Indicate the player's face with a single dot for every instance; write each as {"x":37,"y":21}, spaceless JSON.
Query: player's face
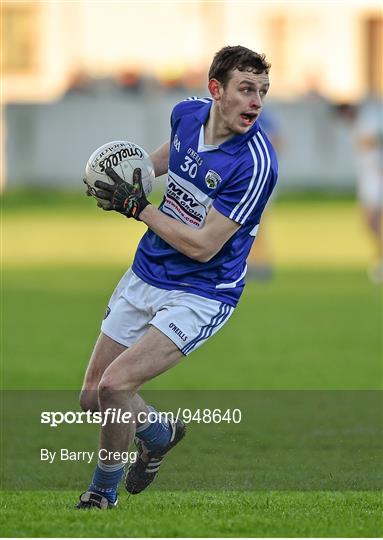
{"x":241,"y":100}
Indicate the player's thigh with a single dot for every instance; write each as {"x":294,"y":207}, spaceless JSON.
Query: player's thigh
{"x":105,"y":351}
{"x":153,"y":354}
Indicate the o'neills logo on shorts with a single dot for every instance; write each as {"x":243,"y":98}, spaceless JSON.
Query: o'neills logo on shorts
{"x":179,"y":332}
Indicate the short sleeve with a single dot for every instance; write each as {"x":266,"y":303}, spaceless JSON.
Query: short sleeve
{"x":177,"y":112}
{"x":243,"y":197}
{"x":189,"y":105}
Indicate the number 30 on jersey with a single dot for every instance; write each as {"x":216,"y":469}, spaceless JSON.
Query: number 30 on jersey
{"x":190,"y":167}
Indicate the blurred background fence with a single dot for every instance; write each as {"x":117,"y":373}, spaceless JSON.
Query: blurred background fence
{"x":48,"y":144}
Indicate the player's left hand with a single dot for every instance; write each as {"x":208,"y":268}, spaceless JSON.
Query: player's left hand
{"x":127,"y":199}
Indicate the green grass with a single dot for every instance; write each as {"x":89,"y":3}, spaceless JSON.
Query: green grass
{"x":194,"y":514}
{"x":303,"y":330}
{"x":308,"y":329}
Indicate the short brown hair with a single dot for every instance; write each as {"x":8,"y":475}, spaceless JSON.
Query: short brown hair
{"x":229,"y":58}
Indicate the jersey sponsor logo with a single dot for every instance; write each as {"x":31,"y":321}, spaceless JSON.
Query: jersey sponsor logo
{"x":212,"y":179}
{"x":183,"y":196}
{"x":176,"y":143}
{"x":178,"y":331}
{"x":184,"y":203}
{"x":185,"y":200}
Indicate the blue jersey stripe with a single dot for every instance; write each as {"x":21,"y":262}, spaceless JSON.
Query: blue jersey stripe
{"x":262,"y":148}
{"x":250,"y":186}
{"x":207,"y":330}
{"x":263,"y":171}
{"x":268,"y":163}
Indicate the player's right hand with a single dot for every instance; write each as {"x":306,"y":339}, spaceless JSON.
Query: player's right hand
{"x":127,"y":199}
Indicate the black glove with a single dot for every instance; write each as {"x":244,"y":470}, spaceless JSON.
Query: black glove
{"x":122,"y":197}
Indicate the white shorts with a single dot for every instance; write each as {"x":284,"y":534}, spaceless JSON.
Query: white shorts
{"x":187,"y":319}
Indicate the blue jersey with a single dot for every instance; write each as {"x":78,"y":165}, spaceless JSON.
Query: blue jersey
{"x":236,"y":178}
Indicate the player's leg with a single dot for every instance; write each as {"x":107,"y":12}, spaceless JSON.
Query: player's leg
{"x":373,"y":219}
{"x":104,"y":353}
{"x":153,"y":354}
{"x":188,"y":321}
{"x":370,"y":194}
{"x":126,"y":320}
{"x":182,"y":322}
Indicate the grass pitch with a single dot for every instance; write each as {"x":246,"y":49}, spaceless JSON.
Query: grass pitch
{"x":316,"y":325}
{"x":305,"y":329}
{"x":195,"y":514}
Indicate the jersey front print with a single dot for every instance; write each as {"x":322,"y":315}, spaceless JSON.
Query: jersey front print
{"x":236,"y":178}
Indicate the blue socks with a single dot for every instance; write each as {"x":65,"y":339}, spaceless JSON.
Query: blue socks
{"x":106,"y":479}
{"x":155,"y":433}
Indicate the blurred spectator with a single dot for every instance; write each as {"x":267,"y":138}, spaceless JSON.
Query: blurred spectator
{"x":369,"y":150}
{"x":130,"y":81}
{"x":173,"y":83}
{"x":79,"y":83}
{"x":195,"y":80}
{"x":346,"y":111}
{"x":313,"y":92}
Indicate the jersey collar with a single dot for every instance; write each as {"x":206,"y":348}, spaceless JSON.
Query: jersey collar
{"x":232,"y":145}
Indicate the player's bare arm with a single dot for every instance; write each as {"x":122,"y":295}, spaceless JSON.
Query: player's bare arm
{"x":199,"y":244}
{"x":160,"y":159}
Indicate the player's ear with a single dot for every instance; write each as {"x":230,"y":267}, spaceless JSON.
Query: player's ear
{"x":215,"y":87}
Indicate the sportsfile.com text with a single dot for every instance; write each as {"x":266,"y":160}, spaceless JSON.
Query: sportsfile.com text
{"x":113,"y":415}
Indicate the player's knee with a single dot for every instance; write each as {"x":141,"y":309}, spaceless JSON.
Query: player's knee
{"x":111,"y":388}
{"x":89,"y":400}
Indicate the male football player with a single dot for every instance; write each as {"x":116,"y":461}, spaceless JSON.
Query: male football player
{"x":189,"y":269}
